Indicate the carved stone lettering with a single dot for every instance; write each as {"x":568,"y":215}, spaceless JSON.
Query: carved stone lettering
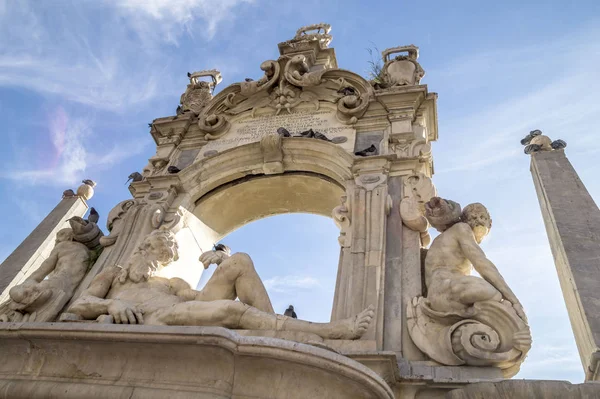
{"x":252,"y":129}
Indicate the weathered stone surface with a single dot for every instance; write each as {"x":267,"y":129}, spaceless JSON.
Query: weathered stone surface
{"x":44,"y":293}
{"x":99,"y":361}
{"x":467,"y":320}
{"x":249,"y":129}
{"x":37,"y":246}
{"x":572,"y":222}
{"x":527,"y":389}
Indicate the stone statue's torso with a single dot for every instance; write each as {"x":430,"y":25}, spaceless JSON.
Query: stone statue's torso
{"x":445,"y":255}
{"x":150,"y":295}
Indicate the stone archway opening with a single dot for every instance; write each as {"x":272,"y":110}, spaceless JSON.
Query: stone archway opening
{"x":296,"y":256}
{"x":254,"y":197}
{"x":284,"y":223}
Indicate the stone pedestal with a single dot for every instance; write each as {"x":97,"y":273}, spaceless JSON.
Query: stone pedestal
{"x":572,"y":222}
{"x":37,"y":246}
{"x":98,"y":361}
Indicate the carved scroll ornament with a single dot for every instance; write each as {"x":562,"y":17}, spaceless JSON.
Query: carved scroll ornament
{"x":287,"y":83}
{"x":418,"y":189}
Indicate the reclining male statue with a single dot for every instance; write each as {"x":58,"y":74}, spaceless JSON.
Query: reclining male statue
{"x":134,"y":294}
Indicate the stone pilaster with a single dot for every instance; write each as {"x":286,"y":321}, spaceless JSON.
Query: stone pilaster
{"x":37,"y":246}
{"x":572,"y":222}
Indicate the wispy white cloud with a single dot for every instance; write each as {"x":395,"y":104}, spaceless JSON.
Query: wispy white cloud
{"x":287,"y":283}
{"x":72,"y":154}
{"x":65,"y":52}
{"x":68,"y":154}
{"x":168,"y":19}
{"x":560,"y":83}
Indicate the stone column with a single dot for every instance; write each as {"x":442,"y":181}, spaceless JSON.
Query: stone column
{"x":37,"y":246}
{"x":361,"y":273}
{"x":572,"y":222}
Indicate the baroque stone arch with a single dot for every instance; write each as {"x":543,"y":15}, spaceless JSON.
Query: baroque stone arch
{"x":312,"y":177}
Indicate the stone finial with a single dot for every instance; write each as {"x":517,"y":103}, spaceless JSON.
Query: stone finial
{"x":535,"y":141}
{"x":318,"y":32}
{"x":403,"y":69}
{"x":86,"y":190}
{"x":305,"y":36}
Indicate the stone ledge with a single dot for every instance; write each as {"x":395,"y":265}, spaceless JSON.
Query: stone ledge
{"x":205,"y":362}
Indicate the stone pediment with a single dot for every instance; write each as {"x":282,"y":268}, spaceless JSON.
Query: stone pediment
{"x":288,"y":85}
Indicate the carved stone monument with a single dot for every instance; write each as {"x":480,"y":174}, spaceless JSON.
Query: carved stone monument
{"x":306,"y":136}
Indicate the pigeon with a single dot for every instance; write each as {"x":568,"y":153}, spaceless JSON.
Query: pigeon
{"x":372,"y":150}
{"x":223,"y":248}
{"x":531,"y":148}
{"x":290,"y":312}
{"x":89,"y":182}
{"x":93,"y":216}
{"x":189,"y":75}
{"x":283,"y":132}
{"x":320,"y":136}
{"x":135,"y":177}
{"x":558,"y":144}
{"x":347,"y":91}
{"x":150,"y":124}
{"x":179,"y":110}
{"x":309,"y":134}
{"x":249,"y":80}
{"x":68,"y":193}
{"x":530,"y":136}
{"x":173,"y":169}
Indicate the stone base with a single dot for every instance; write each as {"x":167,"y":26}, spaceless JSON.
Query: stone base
{"x":343,"y":346}
{"x":75,"y":360}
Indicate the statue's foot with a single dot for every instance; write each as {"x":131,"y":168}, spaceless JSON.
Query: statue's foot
{"x":352,"y":327}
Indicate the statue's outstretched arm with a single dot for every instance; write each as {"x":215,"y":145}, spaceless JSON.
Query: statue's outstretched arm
{"x":482,"y":264}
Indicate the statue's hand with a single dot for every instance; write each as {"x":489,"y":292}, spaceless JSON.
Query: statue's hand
{"x":210,"y":257}
{"x":125,"y":313}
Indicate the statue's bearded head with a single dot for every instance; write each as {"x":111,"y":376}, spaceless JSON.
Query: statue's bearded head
{"x":157,"y":250}
{"x":477,"y":216}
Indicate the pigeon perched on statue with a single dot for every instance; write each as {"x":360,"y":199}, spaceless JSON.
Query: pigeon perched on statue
{"x":173,"y":169}
{"x":290,"y":312}
{"x":536,"y":141}
{"x":68,"y":193}
{"x":93,"y":216}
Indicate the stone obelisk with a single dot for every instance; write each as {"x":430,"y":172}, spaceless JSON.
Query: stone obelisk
{"x":572,"y":221}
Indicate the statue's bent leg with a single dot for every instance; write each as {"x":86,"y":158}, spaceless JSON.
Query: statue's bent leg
{"x":234,"y":278}
{"x":471,"y":289}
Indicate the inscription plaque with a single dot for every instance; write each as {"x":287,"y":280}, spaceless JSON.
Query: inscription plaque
{"x":252,"y":129}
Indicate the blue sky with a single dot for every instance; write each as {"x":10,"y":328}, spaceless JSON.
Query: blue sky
{"x":80,"y":80}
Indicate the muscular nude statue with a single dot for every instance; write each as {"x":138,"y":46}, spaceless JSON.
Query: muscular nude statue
{"x":58,"y":275}
{"x":134,"y":294}
{"x":452,"y":256}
